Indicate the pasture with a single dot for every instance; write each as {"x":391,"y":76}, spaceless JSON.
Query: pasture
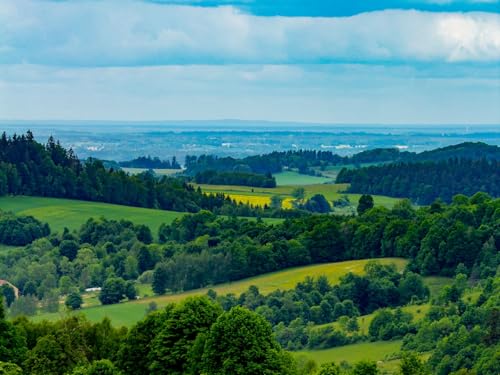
{"x":372,"y":351}
{"x":60,"y":213}
{"x":127,"y":313}
{"x":262,"y":196}
{"x":294,"y":178}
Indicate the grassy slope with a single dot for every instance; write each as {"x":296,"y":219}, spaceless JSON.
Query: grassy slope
{"x":60,"y":213}
{"x":373,"y":351}
{"x":128,"y":313}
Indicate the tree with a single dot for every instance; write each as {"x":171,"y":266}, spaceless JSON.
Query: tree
{"x":8,"y":294}
{"x":172,"y":347}
{"x":101,"y":367}
{"x":329,"y":369}
{"x":299,"y":193}
{"x":74,"y":301}
{"x":365,"y":203}
{"x":113,"y":291}
{"x":134,"y":354}
{"x":365,"y":368}
{"x":411,"y":364}
{"x":9,"y":368}
{"x":160,"y":279}
{"x":12,"y":342}
{"x":242,"y":342}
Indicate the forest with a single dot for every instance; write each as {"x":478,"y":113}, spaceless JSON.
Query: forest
{"x":148,"y":162}
{"x":424,"y":182}
{"x":305,"y":160}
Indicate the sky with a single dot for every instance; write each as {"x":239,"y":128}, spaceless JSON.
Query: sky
{"x":316,"y":61}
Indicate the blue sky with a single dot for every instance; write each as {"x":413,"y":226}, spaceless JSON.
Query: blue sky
{"x":358,"y":61}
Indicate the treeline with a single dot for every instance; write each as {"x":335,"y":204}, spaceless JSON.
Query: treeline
{"x":426,"y":181}
{"x":235,"y":178}
{"x":151,"y":163}
{"x":20,"y":230}
{"x":30,"y":168}
{"x":305,"y":161}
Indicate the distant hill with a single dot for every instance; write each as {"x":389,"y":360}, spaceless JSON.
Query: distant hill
{"x":308,"y":161}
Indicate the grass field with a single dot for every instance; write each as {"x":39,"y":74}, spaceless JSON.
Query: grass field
{"x":372,"y":351}
{"x":128,"y":313}
{"x":262,"y":196}
{"x":60,"y":213}
{"x":293,"y":178}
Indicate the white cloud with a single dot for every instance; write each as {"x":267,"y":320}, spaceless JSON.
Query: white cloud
{"x":128,"y":33}
{"x":317,"y":93}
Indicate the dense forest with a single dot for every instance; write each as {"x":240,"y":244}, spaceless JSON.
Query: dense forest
{"x":30,"y":168}
{"x":305,"y":160}
{"x":423,"y":182}
{"x":235,"y":178}
{"x":148,"y":162}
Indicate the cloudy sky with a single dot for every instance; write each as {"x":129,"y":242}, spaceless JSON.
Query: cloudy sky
{"x":322,"y":61}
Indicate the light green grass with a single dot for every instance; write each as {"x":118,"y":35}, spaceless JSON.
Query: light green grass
{"x":294,"y":178}
{"x":60,"y":213}
{"x":159,"y":172}
{"x":371,"y":351}
{"x":128,"y":313}
{"x":436,"y":283}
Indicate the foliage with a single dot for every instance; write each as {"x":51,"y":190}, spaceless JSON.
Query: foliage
{"x":241,"y":342}
{"x":424,"y":182}
{"x":20,"y":230}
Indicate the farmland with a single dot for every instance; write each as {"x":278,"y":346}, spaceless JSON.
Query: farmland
{"x":262,"y":196}
{"x":128,"y":313}
{"x":293,"y":178}
{"x":61,"y":213}
{"x":374,"y":351}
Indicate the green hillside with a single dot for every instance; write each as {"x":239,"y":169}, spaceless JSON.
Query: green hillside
{"x":127,"y":313}
{"x":60,"y":213}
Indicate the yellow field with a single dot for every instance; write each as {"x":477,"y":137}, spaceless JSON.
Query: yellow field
{"x":262,"y":196}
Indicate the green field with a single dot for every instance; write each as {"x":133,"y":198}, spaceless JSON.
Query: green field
{"x":294,"y":178}
{"x":372,"y":351}
{"x":262,"y":196}
{"x":128,"y":313}
{"x":60,"y":213}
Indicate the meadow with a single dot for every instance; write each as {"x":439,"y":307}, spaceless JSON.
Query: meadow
{"x":294,"y":178}
{"x":262,"y":196}
{"x":61,"y":213}
{"x":380,"y":351}
{"x":127,"y":313}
